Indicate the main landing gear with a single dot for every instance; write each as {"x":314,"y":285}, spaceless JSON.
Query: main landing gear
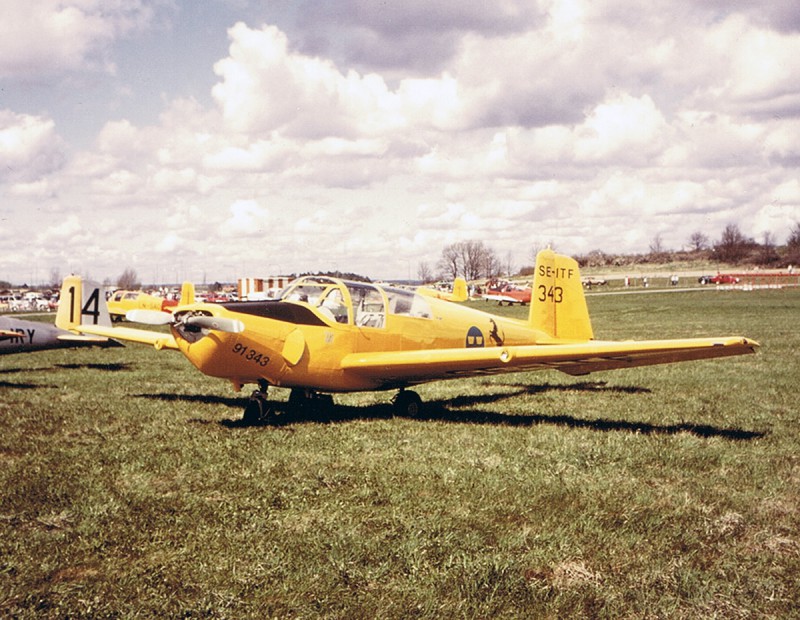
{"x":302,"y":401}
{"x":259,"y":410}
{"x":407,"y":404}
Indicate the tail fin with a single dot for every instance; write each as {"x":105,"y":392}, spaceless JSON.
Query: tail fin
{"x":81,"y":303}
{"x":460,"y":290}
{"x":558,"y":306}
{"x":187,"y":294}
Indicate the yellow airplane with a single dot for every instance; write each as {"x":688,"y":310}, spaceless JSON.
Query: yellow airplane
{"x":122,"y":302}
{"x":326,"y":335}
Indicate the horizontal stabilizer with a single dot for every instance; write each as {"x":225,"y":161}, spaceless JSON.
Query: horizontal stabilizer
{"x":90,"y":340}
{"x":143,"y":336}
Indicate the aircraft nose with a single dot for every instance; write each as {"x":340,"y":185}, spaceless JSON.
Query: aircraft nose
{"x":194,"y":325}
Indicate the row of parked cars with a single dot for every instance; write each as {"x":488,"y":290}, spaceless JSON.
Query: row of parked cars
{"x":27,"y":302}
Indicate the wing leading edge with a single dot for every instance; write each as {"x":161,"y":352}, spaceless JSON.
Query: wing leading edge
{"x":574,"y":359}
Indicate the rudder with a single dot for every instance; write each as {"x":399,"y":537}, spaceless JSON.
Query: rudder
{"x":558,"y":305}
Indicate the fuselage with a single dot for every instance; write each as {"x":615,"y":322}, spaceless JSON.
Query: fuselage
{"x":19,"y":336}
{"x":300,"y":340}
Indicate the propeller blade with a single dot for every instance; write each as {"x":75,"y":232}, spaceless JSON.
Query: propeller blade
{"x":231,"y":326}
{"x":149,"y":317}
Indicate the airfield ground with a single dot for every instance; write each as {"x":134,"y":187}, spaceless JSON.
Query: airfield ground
{"x":129,"y":488}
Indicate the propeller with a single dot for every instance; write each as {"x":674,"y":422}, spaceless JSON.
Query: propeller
{"x":194,"y":322}
{"x":220,"y":324}
{"x":149,"y":317}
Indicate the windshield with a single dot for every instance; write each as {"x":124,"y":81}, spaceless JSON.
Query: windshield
{"x":320,"y":292}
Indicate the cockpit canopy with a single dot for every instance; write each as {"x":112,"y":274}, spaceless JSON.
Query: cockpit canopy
{"x":355,"y":303}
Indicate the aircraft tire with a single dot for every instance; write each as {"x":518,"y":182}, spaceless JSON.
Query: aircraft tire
{"x":407,"y":404}
{"x":257,"y":410}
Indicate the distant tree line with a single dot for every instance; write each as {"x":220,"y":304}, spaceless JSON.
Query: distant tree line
{"x":732,"y":248}
{"x":342,"y":275}
{"x":474,"y":260}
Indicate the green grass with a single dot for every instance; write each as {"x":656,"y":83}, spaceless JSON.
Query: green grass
{"x":129,"y":489}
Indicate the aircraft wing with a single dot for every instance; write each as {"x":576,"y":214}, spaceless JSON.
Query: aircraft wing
{"x":159,"y":340}
{"x":66,"y":336}
{"x":407,"y":367}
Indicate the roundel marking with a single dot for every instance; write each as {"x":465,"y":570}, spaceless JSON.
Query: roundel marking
{"x":474,"y":338}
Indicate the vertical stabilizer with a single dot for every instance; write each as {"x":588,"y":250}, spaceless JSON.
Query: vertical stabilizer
{"x":460,"y":290}
{"x":187,"y":294}
{"x":81,"y":303}
{"x":558,"y":306}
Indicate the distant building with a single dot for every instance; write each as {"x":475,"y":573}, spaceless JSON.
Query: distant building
{"x":253,"y":289}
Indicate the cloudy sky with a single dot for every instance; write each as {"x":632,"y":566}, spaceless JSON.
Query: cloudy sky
{"x":208,"y":140}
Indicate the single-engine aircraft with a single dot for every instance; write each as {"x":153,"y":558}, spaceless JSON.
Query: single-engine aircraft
{"x":325,"y":335}
{"x":19,"y":336}
{"x":505,"y":292}
{"x":121,"y":302}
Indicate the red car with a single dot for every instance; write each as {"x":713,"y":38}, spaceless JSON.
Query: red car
{"x":720,"y":278}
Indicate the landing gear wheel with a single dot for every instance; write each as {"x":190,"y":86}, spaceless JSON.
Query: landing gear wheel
{"x":257,"y":409}
{"x":407,"y":404}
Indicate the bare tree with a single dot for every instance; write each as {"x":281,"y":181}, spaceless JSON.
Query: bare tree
{"x":492,"y":266}
{"x":794,"y":236}
{"x":733,"y":246}
{"x":425,"y":273}
{"x":793,"y":245}
{"x":55,"y":278}
{"x":470,"y":259}
{"x":450,"y":262}
{"x":657,"y":245}
{"x":129,"y":280}
{"x":538,"y":247}
{"x":768,"y":254}
{"x":698,"y":241}
{"x":508,"y":266}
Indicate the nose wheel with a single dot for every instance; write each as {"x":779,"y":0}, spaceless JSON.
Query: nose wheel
{"x":407,"y":404}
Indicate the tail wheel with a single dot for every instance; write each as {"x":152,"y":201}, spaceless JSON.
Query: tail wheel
{"x":407,"y":404}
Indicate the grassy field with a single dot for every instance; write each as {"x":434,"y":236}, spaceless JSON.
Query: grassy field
{"x":129,"y":488}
